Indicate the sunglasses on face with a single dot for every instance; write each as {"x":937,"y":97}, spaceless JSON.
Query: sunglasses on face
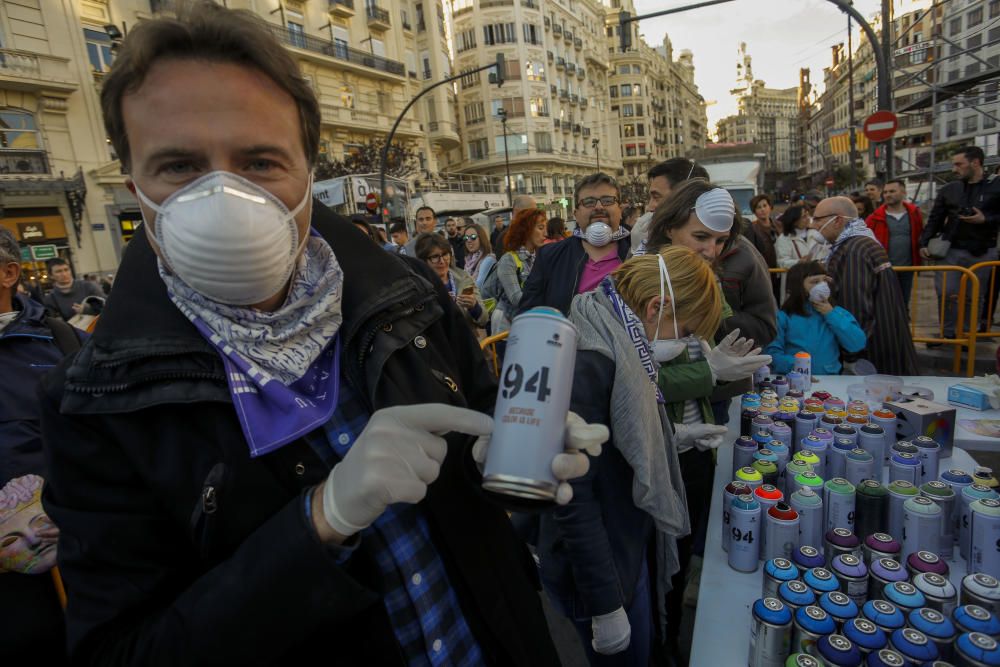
{"x":591,"y":202}
{"x":471,"y":237}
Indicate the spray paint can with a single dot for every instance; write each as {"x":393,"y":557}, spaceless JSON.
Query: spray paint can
{"x":767,"y":469}
{"x":761,"y":422}
{"x":831,"y":420}
{"x":883,"y":572}
{"x":749,"y":476}
{"x":745,"y":533}
{"x":887,"y":657}
{"x":808,"y":556}
{"x":764,"y":453}
{"x":886,"y":418}
{"x":983,"y":475}
{"x":904,"y":596}
{"x":899,"y":493}
{"x":519,"y":461}
{"x":921,"y":525}
{"x":970,"y":494}
{"x":821,"y":580}
{"x":837,"y":650}
{"x":770,"y":633}
{"x":836,"y":457}
{"x":809,"y":480}
{"x":925,"y":561}
{"x":782,"y":432}
{"x":805,"y":422}
{"x":795,"y":594}
{"x":884,"y":614}
{"x":937,"y":626}
{"x":761,"y":374}
{"x":929,"y":455}
{"x":913,"y":645}
{"x":780,"y":384}
{"x":747,"y":415}
{"x":813,"y":404}
{"x":812,"y":521}
{"x":814,"y":445}
{"x":977,"y":650}
{"x":779,"y":449}
{"x":848,"y":431}
{"x":852,"y":575}
{"x":793,"y":470}
{"x":750,"y":399}
{"x":822,"y":396}
{"x":871,"y":438}
{"x":973,"y":618}
{"x":943,"y":497}
{"x":840,"y":541}
{"x":870,"y":500}
{"x":743,"y":451}
{"x":761,"y":438}
{"x":880,"y":545}
{"x":840,"y":607}
{"x":904,"y":466}
{"x":768,"y":496}
{"x":984,"y":531}
{"x":860,"y":466}
{"x":823,"y":433}
{"x":781,"y":532}
{"x":802,"y":660}
{"x":981,"y":589}
{"x":864,"y":634}
{"x":810,"y":458}
{"x":803,"y":364}
{"x":796,"y":382}
{"x":776,"y":572}
{"x":939,"y":592}
{"x":811,"y":623}
{"x":957,"y":480}
{"x":733,"y":489}
{"x":838,"y":499}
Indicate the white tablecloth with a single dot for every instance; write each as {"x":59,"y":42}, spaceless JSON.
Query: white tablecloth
{"x":722,"y":624}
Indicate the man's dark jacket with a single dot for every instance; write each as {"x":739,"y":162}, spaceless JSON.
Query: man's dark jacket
{"x":556,"y":274}
{"x":952,"y":198}
{"x":178,"y":548}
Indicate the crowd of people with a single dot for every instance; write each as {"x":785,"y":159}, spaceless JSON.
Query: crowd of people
{"x":271,"y":445}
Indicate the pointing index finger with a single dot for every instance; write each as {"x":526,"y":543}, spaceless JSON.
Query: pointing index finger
{"x":439,"y":418}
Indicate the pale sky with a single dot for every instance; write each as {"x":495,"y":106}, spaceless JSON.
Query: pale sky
{"x":781,"y":36}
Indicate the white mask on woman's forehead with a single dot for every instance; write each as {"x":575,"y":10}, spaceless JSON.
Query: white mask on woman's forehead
{"x":665,"y":350}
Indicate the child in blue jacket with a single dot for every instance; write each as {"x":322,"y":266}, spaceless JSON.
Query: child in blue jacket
{"x":809,"y":322}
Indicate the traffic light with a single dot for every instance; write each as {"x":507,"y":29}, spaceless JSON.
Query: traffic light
{"x":625,"y":30}
{"x":501,"y":66}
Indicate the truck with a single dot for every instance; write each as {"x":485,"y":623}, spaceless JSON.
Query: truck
{"x":737,"y":167}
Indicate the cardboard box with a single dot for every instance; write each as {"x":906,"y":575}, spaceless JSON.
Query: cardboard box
{"x":922,"y":417}
{"x":968,"y":397}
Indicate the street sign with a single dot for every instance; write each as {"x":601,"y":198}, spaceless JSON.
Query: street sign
{"x":40,"y":252}
{"x":25,"y":253}
{"x":371,"y":202}
{"x":913,"y":47}
{"x":829,"y":182}
{"x":881,"y":126}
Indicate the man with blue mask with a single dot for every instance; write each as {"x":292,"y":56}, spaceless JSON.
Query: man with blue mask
{"x":266,"y":450}
{"x":598,"y":246}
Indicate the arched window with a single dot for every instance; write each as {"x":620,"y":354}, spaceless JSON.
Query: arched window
{"x":18,"y":130}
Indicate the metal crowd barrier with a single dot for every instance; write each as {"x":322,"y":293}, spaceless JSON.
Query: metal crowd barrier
{"x":489,"y":346}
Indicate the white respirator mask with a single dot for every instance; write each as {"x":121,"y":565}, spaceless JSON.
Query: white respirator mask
{"x":228,"y":238}
{"x":820,"y":292}
{"x":665,"y":350}
{"x":598,"y":234}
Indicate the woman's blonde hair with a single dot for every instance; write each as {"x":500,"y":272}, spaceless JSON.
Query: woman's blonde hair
{"x":697,"y":295}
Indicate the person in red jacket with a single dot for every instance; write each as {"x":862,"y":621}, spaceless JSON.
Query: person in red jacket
{"x":897,"y":225}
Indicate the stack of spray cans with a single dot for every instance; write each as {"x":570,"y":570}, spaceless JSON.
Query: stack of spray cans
{"x":856,"y":531}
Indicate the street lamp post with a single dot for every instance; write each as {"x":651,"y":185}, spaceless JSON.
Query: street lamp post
{"x":595,"y":143}
{"x":502,"y":112}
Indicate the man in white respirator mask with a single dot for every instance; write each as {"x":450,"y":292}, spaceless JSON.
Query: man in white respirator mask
{"x":260,"y":454}
{"x":598,"y":246}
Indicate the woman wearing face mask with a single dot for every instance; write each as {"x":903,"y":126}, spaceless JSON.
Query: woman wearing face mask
{"x":609,"y":555}
{"x":797,"y":242}
{"x":436,"y":251}
{"x":524,"y":236}
{"x":478,"y":253}
{"x":809,"y":322}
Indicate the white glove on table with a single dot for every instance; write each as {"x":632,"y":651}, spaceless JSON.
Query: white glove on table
{"x":393,"y":460}
{"x":612,"y":632}
{"x":702,"y":436}
{"x":734,"y":358}
{"x":572,"y":463}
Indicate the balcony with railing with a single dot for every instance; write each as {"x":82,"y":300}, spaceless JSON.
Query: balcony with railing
{"x":570,"y":68}
{"x":27,"y":71}
{"x":555,"y":123}
{"x":564,"y":95}
{"x":444,"y":133}
{"x":23,"y":161}
{"x":342,"y":8}
{"x":548,"y":23}
{"x":574,"y":99}
{"x":405,"y":22}
{"x":581,"y":73}
{"x":550,"y":56}
{"x":337,"y":51}
{"x":560,"y":63}
{"x":577,"y":43}
{"x":556,"y":29}
{"x":553,"y":89}
{"x":378,"y":18}
{"x":583,"y":102}
{"x":568,"y":36}
{"x":586,"y":131}
{"x":577,"y":128}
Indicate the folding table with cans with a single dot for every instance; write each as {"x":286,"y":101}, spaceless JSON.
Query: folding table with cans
{"x":725,"y":613}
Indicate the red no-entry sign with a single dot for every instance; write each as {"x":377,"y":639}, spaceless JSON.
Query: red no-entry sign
{"x":880,"y":126}
{"x":371,"y":201}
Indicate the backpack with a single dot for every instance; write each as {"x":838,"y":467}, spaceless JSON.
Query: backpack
{"x":491,"y":291}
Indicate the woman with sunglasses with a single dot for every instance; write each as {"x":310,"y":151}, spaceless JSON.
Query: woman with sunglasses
{"x":478,"y":253}
{"x":436,"y":251}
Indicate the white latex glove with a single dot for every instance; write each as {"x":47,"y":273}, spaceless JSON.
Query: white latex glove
{"x":612,"y":632}
{"x":572,"y":463}
{"x":702,"y":436}
{"x":734,"y":358}
{"x":393,"y":460}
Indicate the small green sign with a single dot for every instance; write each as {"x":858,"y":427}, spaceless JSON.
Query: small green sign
{"x":563,"y":202}
{"x":25,"y":254}
{"x":40,"y":252}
